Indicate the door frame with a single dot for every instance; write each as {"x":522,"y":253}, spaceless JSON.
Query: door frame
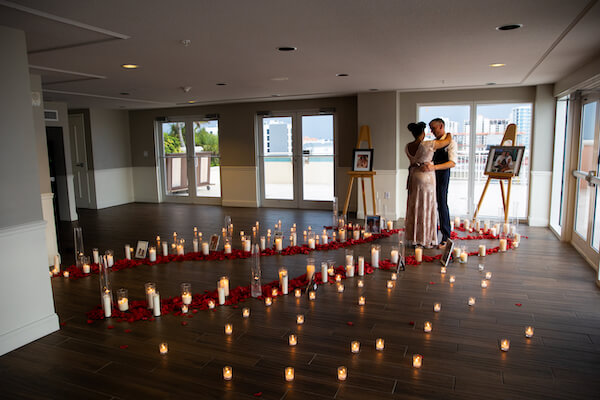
{"x":82,"y":175}
{"x":297,"y":159}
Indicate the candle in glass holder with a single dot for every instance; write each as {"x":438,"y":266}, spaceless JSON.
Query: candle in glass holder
{"x":452,"y":279}
{"x":529,"y":331}
{"x":342,"y":373}
{"x":299,"y":319}
{"x":228,"y":329}
{"x":482,"y":250}
{"x":227,"y":248}
{"x":340,"y":288}
{"x":504,"y":344}
{"x":471,"y":301}
{"x":390,"y":225}
{"x":96,"y":255}
{"x":220,"y":293}
{"x":283,"y":280}
{"x":427,"y":327}
{"x":150,"y":288}
{"x":312,"y":295}
{"x":361,"y":301}
{"x":211,"y":304}
{"x":464,"y":256}
{"x":224,"y":283}
{"x":417,"y":360}
{"x":311,"y":243}
{"x":338,"y":278}
{"x":457,"y":222}
{"x":361,"y":266}
{"x":289,"y":374}
{"x":184,"y":309}
{"x":356,"y":234}
{"x":342,"y":235}
{"x":502,"y":245}
{"x":122,"y":300}
{"x":379,"y":344}
{"x":437,"y":307}
{"x":484,"y":284}
{"x":310,"y":268}
{"x":394,"y":276}
{"x":349,"y":271}
{"x":248,"y":244}
{"x":163,"y":348}
{"x":390,"y":284}
{"x":110,"y":259}
{"x":298,"y":292}
{"x":86,"y":265}
{"x":456,"y":252}
{"x":355,"y":346}
{"x":278,"y":244}
{"x":375,"y":250}
{"x":488,"y":275}
{"x":419,"y":254}
{"x":268,"y":301}
{"x":186,"y":293}
{"x":360,"y":283}
{"x":394,"y":255}
{"x":324,"y":237}
{"x":152,"y":254}
{"x":493,"y":231}
{"x":293,"y":340}
{"x":227,"y":373}
{"x":245,"y":312}
{"x":442,"y":270}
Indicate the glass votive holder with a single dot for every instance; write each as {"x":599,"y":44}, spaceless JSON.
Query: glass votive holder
{"x":163,"y":348}
{"x":481,"y":267}
{"x":394,"y":276}
{"x":361,"y":300}
{"x":186,"y":293}
{"x":349,"y":253}
{"x":298,"y":292}
{"x":268,"y":301}
{"x":289,"y":374}
{"x":86,"y":266}
{"x":417,"y":360}
{"x":342,"y":373}
{"x":227,"y":373}
{"x":228,"y":329}
{"x":484,"y":284}
{"x":292,"y":340}
{"x":122,"y":299}
{"x":360,"y":283}
{"x":299,"y":319}
{"x":452,"y":279}
{"x":427,"y":327}
{"x":379,"y":344}
{"x":245,"y":312}
{"x":504,"y":344}
{"x":312,"y":295}
{"x":488,"y":275}
{"x":529,"y":331}
{"x":355,"y":346}
{"x":340,"y":288}
{"x":110,"y":257}
{"x":390,"y":284}
{"x":471,"y":301}
{"x":150,"y":289}
{"x":437,"y":307}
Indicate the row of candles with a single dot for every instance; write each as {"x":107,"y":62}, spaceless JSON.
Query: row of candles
{"x":504,"y":229}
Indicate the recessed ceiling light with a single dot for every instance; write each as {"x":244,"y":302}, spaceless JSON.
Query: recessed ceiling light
{"x":341,"y":74}
{"x":282,"y":78}
{"x":221,"y":84}
{"x":191,"y":101}
{"x":509,"y":27}
{"x":287,"y":48}
{"x":490,"y":83}
{"x":495,"y":65}
{"x":130,"y":66}
{"x":124,"y":94}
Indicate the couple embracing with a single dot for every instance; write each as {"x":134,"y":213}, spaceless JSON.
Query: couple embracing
{"x":428,"y":180}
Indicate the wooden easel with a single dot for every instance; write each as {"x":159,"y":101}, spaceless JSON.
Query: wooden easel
{"x":363,"y":136}
{"x":509,"y":134}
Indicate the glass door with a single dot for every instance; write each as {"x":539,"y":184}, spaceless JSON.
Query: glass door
{"x":586,"y":226}
{"x":190,"y":167}
{"x":297,"y":160}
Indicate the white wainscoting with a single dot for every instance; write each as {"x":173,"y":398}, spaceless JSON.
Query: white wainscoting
{"x":26,"y":303}
{"x":385,"y":181}
{"x":402,"y":197}
{"x":113,"y":187}
{"x":48,"y":215}
{"x":238,"y":186}
{"x":145,"y":187}
{"x":540,"y":188}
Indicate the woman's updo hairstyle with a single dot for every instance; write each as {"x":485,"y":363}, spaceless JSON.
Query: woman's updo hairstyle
{"x":417,"y":129}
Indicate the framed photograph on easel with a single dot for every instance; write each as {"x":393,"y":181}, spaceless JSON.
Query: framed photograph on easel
{"x":504,"y":161}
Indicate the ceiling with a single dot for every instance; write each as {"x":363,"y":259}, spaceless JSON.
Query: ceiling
{"x":78,"y":47}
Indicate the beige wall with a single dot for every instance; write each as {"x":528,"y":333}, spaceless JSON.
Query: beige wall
{"x":41,"y":145}
{"x":110,"y":138}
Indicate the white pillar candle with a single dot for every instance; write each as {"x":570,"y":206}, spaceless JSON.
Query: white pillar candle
{"x":361,"y":266}
{"x":152,"y":254}
{"x":355,"y":234}
{"x":482,"y":250}
{"x":96,"y":255}
{"x":278,"y":244}
{"x":324,"y":238}
{"x":311,"y":243}
{"x":486,"y":226}
{"x":349,"y":271}
{"x":127,"y":252}
{"x":248,"y":245}
{"x":503,"y":244}
{"x":106,"y":304}
{"x":493,"y":231}
{"x":180,"y":251}
{"x":349,"y":259}
{"x":123,"y":304}
{"x":227,"y":248}
{"x":195,"y":245}
{"x":165,"y":249}
{"x":156,"y":304}
{"x":324,"y":273}
{"x":464,"y":256}
{"x":110,"y":260}
{"x":390,"y":225}
{"x":294,"y":237}
{"x":205,"y":249}
{"x":506,"y":229}
{"x":310,"y":270}
{"x":477,"y":224}
{"x":263,"y":243}
{"x":418,"y":254}
{"x":283,"y":280}
{"x":150,"y":290}
{"x":467,"y":223}
{"x":374,"y":257}
{"x":394,"y":256}
{"x":221,"y":294}
{"x":86,"y":268}
{"x":342,"y":235}
{"x":224,"y":283}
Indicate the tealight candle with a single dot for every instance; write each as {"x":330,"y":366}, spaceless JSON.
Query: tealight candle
{"x":529,"y":331}
{"x":360,"y":283}
{"x":484,"y":284}
{"x":274,"y":292}
{"x":488,"y":275}
{"x":442,"y":270}
{"x":503,"y":244}
{"x":299,"y":319}
{"x":211,"y":304}
{"x":245,"y":312}
{"x":417,"y":360}
{"x":379,"y":344}
{"x":342,"y":373}
{"x":481,"y":267}
{"x":340,"y":288}
{"x":228,"y":329}
{"x":338,"y":278}
{"x":227,"y":373}
{"x":504,"y":344}
{"x":482,"y":250}
{"x":418,"y":254}
{"x":437,"y":307}
{"x":390,"y":284}
{"x":361,"y":266}
{"x":66,"y":274}
{"x":394,"y":276}
{"x":122,"y":300}
{"x":427,"y":327}
{"x":184,"y":309}
{"x":268,"y":301}
{"x":452,"y":279}
{"x":471,"y":301}
{"x":293,"y":340}
{"x":298,"y":292}
{"x":163,"y":348}
{"x":355,"y":346}
{"x":312,"y":295}
{"x":289,"y":374}
{"x":361,"y":301}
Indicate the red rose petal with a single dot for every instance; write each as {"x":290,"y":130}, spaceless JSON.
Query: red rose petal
{"x":518,"y":304}
{"x":110,"y":327}
{"x":123,"y":346}
{"x":194,"y":311}
{"x":432,"y":283}
{"x":258,"y":394}
{"x":63,"y":323}
{"x":127,"y":330}
{"x":411,"y":323}
{"x":89,"y":321}
{"x":350,"y":323}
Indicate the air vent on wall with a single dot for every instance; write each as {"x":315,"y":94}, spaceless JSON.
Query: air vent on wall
{"x":50,"y":115}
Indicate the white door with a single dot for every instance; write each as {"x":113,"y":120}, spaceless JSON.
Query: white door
{"x":81,"y":178}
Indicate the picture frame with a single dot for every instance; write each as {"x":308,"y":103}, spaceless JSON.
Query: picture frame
{"x":362,"y":160}
{"x":504,"y":161}
{"x":373,"y":223}
{"x":447,"y":254}
{"x":214,"y":243}
{"x":141,"y":249}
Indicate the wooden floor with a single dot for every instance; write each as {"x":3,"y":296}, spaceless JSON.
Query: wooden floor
{"x":462,"y":359}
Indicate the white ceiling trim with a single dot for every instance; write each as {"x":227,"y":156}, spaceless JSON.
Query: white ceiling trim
{"x":103,"y":97}
{"x":64,"y":71}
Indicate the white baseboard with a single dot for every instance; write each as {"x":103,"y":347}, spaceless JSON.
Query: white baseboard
{"x":114,"y":187}
{"x":239,"y":186}
{"x":48,"y":215}
{"x":24,"y":269}
{"x":540,"y":187}
{"x":26,"y":334}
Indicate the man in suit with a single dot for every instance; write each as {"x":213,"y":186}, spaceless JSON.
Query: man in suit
{"x":443,"y":159}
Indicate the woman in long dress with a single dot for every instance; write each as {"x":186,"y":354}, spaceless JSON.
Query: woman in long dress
{"x":421,"y":208}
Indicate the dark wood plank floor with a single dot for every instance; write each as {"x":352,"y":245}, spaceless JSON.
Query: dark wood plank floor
{"x":461,"y":355}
